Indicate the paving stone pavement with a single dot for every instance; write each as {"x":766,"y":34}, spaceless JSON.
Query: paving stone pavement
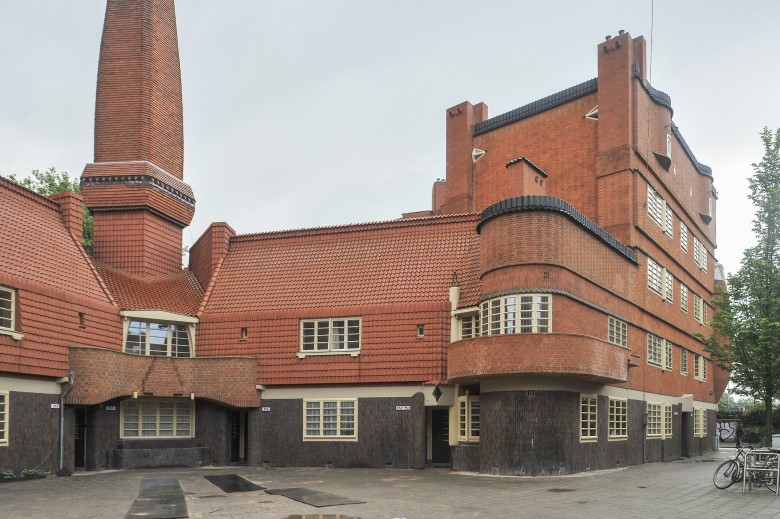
{"x":679,"y":489}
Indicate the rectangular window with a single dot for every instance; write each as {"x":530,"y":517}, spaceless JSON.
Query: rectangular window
{"x":158,"y":339}
{"x":660,"y":280}
{"x":330,"y":419}
{"x":654,"y":350}
{"x":669,"y":145}
{"x":656,"y":206}
{"x":683,"y":361}
{"x":588,"y":420}
{"x":700,"y":423}
{"x":669,"y":227}
{"x":653,"y":420}
{"x":330,"y":335}
{"x":7,"y":306}
{"x":668,"y":351}
{"x":618,"y":332}
{"x":527,"y":313}
{"x":699,"y":254}
{"x":699,"y":309}
{"x":699,"y":367}
{"x":469,"y":326}
{"x":618,"y":418}
{"x":683,"y":298}
{"x":148,"y":419}
{"x":667,"y":420}
{"x":468,"y":418}
{"x":683,"y":237}
{"x":3,"y":418}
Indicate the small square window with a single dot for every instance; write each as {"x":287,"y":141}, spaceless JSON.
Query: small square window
{"x":420,"y":330}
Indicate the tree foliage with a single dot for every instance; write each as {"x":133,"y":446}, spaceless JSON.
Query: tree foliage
{"x":747,"y":320}
{"x":51,"y":182}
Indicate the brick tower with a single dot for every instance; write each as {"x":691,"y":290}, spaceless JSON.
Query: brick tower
{"x":135,"y":186}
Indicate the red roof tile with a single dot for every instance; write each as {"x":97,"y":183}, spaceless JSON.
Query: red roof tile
{"x":401,"y":261}
{"x":179,"y":293}
{"x":36,"y":247}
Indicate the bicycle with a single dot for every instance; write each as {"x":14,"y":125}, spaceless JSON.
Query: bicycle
{"x":732,"y":470}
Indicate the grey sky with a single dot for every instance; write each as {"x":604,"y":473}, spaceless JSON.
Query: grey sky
{"x":314,"y":113}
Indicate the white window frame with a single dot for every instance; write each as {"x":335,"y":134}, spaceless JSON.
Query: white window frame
{"x":468,"y":418}
{"x":683,"y":361}
{"x":669,"y":222}
{"x":172,"y":335}
{"x":589,"y":426}
{"x":618,"y":419}
{"x":617,"y":332}
{"x":343,"y":423}
{"x":700,"y":255}
{"x":669,"y":145}
{"x":5,"y":406}
{"x":8,"y":306}
{"x":660,"y":280}
{"x":700,"y":423}
{"x":699,"y":309}
{"x":656,"y":206}
{"x":684,"y":237}
{"x":517,"y":313}
{"x":654,"y":420}
{"x":655,"y":350}
{"x":468,"y":325}
{"x":683,"y":298}
{"x":668,"y":352}
{"x":699,"y":367}
{"x":667,"y":419}
{"x":345,"y":345}
{"x":145,"y":407}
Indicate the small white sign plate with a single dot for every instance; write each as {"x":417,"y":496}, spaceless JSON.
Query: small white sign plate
{"x":403,"y":408}
{"x":265,"y":409}
{"x":55,"y":406}
{"x":110,"y":408}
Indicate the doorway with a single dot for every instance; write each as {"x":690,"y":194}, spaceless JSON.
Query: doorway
{"x":238,"y":434}
{"x":440,"y":437}
{"x":80,"y":434}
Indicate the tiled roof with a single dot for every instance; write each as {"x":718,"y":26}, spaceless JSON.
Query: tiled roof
{"x":179,"y":293}
{"x":401,"y":261}
{"x":36,"y":247}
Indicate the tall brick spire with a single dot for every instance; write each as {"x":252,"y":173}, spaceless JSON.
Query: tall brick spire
{"x":135,"y":187}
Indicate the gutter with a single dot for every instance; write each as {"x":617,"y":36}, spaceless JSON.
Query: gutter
{"x":70,"y":381}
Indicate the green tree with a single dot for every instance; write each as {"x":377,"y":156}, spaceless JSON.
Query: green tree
{"x":747,"y":320}
{"x":51,"y":182}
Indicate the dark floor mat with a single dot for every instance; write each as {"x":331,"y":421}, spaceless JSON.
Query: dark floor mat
{"x":313,"y":497}
{"x":233,"y":483}
{"x":159,"y":499}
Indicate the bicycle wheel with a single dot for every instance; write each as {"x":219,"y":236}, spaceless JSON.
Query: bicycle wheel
{"x":771,"y":482}
{"x":726,"y":474}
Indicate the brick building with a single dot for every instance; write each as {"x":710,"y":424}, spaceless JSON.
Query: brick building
{"x":539,"y":319}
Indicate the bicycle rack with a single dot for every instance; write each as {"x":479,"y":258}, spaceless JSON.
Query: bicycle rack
{"x":758,"y":465}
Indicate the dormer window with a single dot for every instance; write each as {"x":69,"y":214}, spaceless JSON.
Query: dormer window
{"x":160,"y":334}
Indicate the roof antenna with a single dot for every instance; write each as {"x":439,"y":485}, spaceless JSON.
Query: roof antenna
{"x":650,"y":68}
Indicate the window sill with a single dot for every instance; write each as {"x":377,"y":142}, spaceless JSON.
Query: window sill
{"x":304,"y":354}
{"x":618,"y":439}
{"x":14,"y":335}
{"x":333,"y":439}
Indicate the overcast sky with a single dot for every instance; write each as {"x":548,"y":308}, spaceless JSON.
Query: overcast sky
{"x":315,"y":113}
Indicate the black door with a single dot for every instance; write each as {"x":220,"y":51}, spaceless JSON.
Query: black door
{"x":238,"y":432}
{"x":81,"y":438}
{"x":440,"y":442}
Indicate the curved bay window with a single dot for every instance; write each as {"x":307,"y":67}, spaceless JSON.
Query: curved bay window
{"x":158,"y":335}
{"x":157,"y":418}
{"x":521,"y":313}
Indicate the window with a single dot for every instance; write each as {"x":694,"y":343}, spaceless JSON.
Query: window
{"x":683,"y":237}
{"x":653,"y":420}
{"x":469,"y":326}
{"x":669,"y":145}
{"x":699,"y":367}
{"x":699,"y":254}
{"x":656,"y":206}
{"x":660,"y":280}
{"x":618,"y":332}
{"x":669,"y":227}
{"x":654,"y":351}
{"x":7,"y":309}
{"x":683,"y":298}
{"x":700,"y":423}
{"x":158,"y":338}
{"x":668,"y":356}
{"x":3,"y":418}
{"x":330,"y":419}
{"x":588,"y":425}
{"x":330,"y":335}
{"x":618,"y":418}
{"x":468,"y":418}
{"x":659,"y":420}
{"x":420,"y":330}
{"x":699,"y":309}
{"x":528,"y":313}
{"x":157,"y":418}
{"x":683,"y":361}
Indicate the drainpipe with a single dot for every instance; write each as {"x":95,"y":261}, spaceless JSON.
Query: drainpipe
{"x":71,"y":378}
